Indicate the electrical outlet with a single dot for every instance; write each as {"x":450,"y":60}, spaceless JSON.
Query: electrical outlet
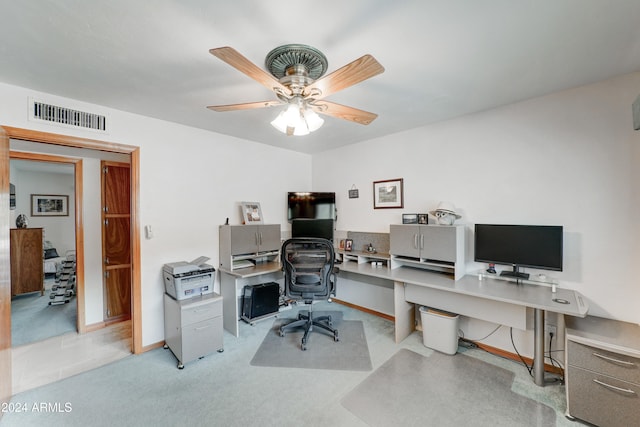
{"x":550,"y":329}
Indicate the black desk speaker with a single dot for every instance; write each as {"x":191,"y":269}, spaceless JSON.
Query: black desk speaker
{"x":260,"y":300}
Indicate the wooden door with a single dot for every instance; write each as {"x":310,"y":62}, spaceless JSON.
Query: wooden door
{"x":116,"y":240}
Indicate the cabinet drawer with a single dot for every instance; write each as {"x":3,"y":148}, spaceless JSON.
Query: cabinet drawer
{"x":201,"y":339}
{"x":605,"y":362}
{"x":194,"y":313}
{"x":602,"y":400}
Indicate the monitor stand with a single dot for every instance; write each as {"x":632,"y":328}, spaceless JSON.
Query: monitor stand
{"x":515,"y":273}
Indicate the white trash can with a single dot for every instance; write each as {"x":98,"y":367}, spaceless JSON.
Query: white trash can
{"x":439,"y":330}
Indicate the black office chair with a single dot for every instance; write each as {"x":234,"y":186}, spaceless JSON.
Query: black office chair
{"x":309,"y":275}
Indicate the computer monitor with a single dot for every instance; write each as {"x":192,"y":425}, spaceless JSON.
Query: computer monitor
{"x":305,"y":227}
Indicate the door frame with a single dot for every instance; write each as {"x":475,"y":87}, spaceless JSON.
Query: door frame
{"x":79,"y":226}
{"x":7,"y":133}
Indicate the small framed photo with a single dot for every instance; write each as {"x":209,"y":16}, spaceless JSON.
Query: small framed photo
{"x":341,"y":247}
{"x":388,"y":194}
{"x":423,"y":218}
{"x":49,"y":205}
{"x":409,"y":218}
{"x":348,"y":244}
{"x":251,"y":212}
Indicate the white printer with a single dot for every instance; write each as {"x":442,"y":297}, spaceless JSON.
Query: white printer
{"x":184,"y":280}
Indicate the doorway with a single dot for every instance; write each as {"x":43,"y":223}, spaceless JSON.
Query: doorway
{"x":36,"y":316}
{"x":7,"y":133}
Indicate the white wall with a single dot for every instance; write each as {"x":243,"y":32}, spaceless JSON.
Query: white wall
{"x":190,"y":181}
{"x":570,"y":158}
{"x":59,"y":230}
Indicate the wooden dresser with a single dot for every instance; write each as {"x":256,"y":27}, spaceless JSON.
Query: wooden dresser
{"x":27,"y":261}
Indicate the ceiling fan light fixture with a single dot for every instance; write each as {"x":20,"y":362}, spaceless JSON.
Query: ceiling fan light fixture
{"x":297,"y":120}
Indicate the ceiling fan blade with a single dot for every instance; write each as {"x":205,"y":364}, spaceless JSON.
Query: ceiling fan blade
{"x":354,"y":72}
{"x":343,"y":112}
{"x":242,"y":64}
{"x":245,"y":106}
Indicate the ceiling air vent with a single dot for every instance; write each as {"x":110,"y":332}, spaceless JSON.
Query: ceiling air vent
{"x":67,"y":116}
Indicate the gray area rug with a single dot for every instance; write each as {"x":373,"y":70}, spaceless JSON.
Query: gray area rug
{"x":440,"y":390}
{"x":351,"y":353}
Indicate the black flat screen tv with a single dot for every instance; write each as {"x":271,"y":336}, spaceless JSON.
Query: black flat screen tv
{"x":535,"y":246}
{"x":307,"y":227}
{"x":311,"y":205}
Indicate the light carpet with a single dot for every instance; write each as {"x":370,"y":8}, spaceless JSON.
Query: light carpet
{"x":440,"y":390}
{"x":351,"y":353}
{"x":33,"y":319}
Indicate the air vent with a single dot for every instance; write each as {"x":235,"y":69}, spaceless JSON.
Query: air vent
{"x":67,"y":116}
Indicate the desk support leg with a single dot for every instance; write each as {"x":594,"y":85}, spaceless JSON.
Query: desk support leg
{"x":538,"y":349}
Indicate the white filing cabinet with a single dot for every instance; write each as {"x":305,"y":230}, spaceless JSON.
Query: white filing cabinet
{"x":193,"y":327}
{"x":603,"y":371}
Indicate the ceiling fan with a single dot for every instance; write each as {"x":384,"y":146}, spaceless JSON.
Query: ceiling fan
{"x":296,"y":77}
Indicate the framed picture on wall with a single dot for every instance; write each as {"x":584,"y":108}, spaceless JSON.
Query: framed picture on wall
{"x":388,"y":194}
{"x":251,"y":212}
{"x":49,"y":205}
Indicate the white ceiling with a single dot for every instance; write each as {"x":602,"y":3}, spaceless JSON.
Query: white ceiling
{"x":443,"y":58}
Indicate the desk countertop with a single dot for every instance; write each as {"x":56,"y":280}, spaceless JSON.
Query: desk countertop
{"x":257,"y":270}
{"x":528,"y":295}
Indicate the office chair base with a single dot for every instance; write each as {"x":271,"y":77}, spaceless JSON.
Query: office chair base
{"x":307,"y":321}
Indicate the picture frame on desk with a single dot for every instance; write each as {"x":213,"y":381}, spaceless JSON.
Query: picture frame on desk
{"x":409,"y":218}
{"x":251,"y":212}
{"x":348,"y":245}
{"x":388,"y":194}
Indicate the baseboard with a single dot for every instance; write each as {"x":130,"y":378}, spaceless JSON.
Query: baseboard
{"x":364,"y":309}
{"x":94,"y":327}
{"x":152,"y":346}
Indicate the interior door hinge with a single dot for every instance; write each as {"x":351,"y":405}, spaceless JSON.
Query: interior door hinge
{"x":105,"y":169}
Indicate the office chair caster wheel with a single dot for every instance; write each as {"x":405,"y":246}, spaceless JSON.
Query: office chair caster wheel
{"x":180,"y":366}
{"x":303,"y":347}
{"x":281,"y":332}
{"x":165,"y":346}
{"x":335,"y":337}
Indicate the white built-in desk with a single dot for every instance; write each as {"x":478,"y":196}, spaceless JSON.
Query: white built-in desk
{"x":521,"y":305}
{"x":232,"y":283}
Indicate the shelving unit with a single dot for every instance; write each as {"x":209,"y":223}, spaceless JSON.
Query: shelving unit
{"x":431,"y":247}
{"x":252,"y":243}
{"x":365,"y":257}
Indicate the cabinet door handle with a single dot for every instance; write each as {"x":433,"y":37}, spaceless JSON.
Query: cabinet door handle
{"x":611,"y":359}
{"x":415,"y":241}
{"x":623,"y":390}
{"x":422,"y":241}
{"x":202,"y":327}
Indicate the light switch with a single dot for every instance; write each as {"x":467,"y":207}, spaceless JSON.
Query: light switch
{"x":148,"y":231}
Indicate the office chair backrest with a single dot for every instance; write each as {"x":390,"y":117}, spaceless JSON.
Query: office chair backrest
{"x":308,"y":265}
